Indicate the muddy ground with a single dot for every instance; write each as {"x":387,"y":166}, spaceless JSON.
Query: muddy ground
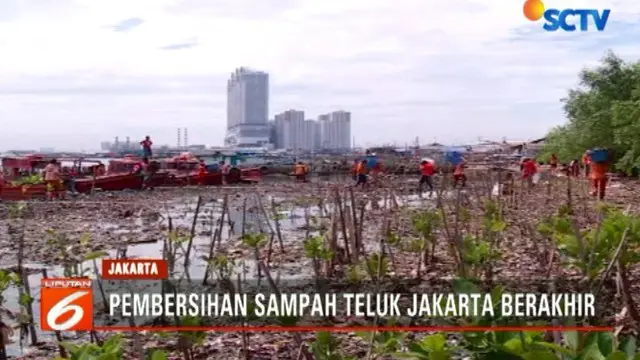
{"x":137,"y":222}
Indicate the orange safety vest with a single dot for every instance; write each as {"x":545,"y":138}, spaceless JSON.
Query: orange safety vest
{"x":361,"y":169}
{"x":428,"y":169}
{"x":599,"y":171}
{"x":300,"y":169}
{"x":530,"y":168}
{"x":459,"y":169}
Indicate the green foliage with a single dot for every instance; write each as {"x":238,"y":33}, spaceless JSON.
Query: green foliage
{"x":157,"y":355}
{"x":425,"y":223}
{"x":256,"y":240}
{"x":377,"y":266}
{"x":327,"y":347}
{"x":603,"y":112}
{"x":7,"y":279}
{"x":432,"y":347}
{"x":315,"y":248}
{"x":590,"y":250}
{"x":479,"y":251}
{"x":385,"y":342}
{"x":193,"y":337}
{"x":28,"y":180}
{"x":112,"y":349}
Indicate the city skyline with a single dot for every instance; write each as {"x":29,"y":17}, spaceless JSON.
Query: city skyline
{"x":77,"y":72}
{"x":293,"y":130}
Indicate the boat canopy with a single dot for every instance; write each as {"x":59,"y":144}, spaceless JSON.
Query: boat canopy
{"x":26,"y":162}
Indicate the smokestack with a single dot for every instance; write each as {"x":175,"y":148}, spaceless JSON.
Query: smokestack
{"x":179,"y":138}
{"x":186,"y":138}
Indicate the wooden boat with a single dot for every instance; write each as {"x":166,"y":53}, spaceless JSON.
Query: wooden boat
{"x":10,"y":192}
{"x":16,"y":167}
{"x":181,"y":170}
{"x":121,"y":174}
{"x":185,"y":170}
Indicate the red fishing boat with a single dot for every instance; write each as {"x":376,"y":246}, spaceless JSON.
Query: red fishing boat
{"x":119,"y":175}
{"x":17,"y":168}
{"x":182,"y":170}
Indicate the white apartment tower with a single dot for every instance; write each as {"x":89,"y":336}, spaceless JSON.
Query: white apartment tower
{"x":247,"y":108}
{"x":290,"y":130}
{"x":335,"y":130}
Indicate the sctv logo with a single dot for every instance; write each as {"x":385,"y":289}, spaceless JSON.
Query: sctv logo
{"x":567,"y":19}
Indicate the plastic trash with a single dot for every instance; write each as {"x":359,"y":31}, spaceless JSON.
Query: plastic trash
{"x":599,"y":155}
{"x":536,"y":178}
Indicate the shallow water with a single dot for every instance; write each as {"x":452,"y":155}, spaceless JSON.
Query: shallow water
{"x":292,"y":218}
{"x":182,"y":216}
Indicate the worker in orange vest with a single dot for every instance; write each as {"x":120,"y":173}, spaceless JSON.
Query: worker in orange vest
{"x":301,"y":172}
{"x":529,"y":169}
{"x":427,"y":170}
{"x":354,"y":169}
{"x":202,"y":172}
{"x":586,"y":161}
{"x":459,"y":176}
{"x":599,"y":178}
{"x":361,"y":171}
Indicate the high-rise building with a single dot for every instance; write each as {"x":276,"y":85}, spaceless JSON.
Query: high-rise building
{"x":290,"y":129}
{"x":247,"y":108}
{"x":335,"y":130}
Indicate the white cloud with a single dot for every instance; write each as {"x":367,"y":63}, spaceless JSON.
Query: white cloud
{"x":452,"y":70}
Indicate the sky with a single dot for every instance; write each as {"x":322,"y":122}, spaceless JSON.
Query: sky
{"x":74,"y":73}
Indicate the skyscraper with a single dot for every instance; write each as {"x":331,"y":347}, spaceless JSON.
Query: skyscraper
{"x":335,"y":130}
{"x":290,"y":129}
{"x":247,"y":108}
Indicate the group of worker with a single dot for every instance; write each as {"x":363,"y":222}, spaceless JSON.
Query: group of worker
{"x":595,"y":170}
{"x":428,"y":170}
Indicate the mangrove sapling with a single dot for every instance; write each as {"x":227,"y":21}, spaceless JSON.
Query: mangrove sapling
{"x":455,"y":244}
{"x":157,"y":355}
{"x":602,"y":345}
{"x":377,"y":266}
{"x":425,"y":224}
{"x":222,"y":267}
{"x":218,"y":236}
{"x":343,"y":225}
{"x":175,"y":241}
{"x":277,"y":217}
{"x":498,"y":344}
{"x":112,"y":349}
{"x":192,"y":234}
{"x":384,"y":342}
{"x":392,"y":241}
{"x":263,"y":210}
{"x":327,"y":347}
{"x":315,"y":250}
{"x":598,"y":245}
{"x":431,"y":347}
{"x":255,"y":241}
{"x":187,"y":340}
